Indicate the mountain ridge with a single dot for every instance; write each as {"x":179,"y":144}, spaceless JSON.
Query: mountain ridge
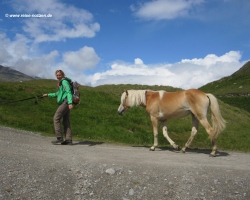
{"x":243,"y":70}
{"x":10,"y":75}
{"x":238,"y":82}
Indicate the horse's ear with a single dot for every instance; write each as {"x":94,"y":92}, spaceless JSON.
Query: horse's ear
{"x":126,"y":92}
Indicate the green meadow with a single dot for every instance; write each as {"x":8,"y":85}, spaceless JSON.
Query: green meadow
{"x":96,"y":118}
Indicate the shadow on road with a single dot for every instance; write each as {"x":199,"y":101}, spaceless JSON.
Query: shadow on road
{"x":188,"y":150}
{"x":87,"y":143}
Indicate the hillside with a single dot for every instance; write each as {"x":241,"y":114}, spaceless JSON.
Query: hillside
{"x":237,"y":83}
{"x":96,"y":118}
{"x":233,"y":90}
{"x":245,"y":69}
{"x":10,"y":75}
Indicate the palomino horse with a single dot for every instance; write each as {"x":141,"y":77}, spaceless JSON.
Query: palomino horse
{"x":162,"y":105}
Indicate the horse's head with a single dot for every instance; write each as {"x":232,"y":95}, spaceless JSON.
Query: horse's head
{"x":124,"y":103}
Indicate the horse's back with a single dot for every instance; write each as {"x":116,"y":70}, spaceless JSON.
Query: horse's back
{"x":177,"y":104}
{"x":196,"y":97}
{"x":164,"y":105}
{"x":184,"y":95}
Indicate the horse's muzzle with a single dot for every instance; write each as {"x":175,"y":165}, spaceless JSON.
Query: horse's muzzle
{"x":121,"y":110}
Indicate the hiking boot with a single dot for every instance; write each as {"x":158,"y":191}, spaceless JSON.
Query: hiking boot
{"x":67,"y":142}
{"x":57,"y":141}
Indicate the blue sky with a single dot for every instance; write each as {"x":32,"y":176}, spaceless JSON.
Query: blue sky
{"x":181,"y":43}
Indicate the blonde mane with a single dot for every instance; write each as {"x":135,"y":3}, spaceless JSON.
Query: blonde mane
{"x":136,"y":97}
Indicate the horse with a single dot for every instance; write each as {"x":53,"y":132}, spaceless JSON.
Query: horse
{"x":162,"y":105}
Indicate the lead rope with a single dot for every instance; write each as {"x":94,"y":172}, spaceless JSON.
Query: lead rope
{"x":35,"y":97}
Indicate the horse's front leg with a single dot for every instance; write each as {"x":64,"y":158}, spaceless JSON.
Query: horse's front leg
{"x":165,"y":133}
{"x":155,"y":131}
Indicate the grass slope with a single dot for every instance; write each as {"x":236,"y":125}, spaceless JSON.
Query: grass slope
{"x":96,"y":118}
{"x":233,"y":90}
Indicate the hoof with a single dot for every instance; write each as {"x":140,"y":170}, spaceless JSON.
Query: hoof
{"x":212,"y":155}
{"x":151,"y":149}
{"x":176,"y":147}
{"x":183,"y":150}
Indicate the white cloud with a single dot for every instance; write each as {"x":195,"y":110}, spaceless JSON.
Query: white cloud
{"x":85,"y":58}
{"x":11,"y":51}
{"x":188,"y":73}
{"x":165,"y":9}
{"x":19,"y":55}
{"x":138,"y":61}
{"x":66,"y":22}
{"x":23,"y":52}
{"x":4,"y":55}
{"x":41,"y":66}
{"x":211,"y":59}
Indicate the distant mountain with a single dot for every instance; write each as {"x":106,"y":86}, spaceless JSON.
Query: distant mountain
{"x":10,"y":75}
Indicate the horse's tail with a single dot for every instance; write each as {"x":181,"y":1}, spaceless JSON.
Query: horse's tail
{"x":218,"y":122}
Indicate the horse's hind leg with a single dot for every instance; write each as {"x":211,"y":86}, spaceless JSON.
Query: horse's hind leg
{"x":214,"y":148}
{"x":165,"y":133}
{"x":209,"y":130}
{"x":194,"y":131}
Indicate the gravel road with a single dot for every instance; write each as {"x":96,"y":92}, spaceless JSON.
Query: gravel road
{"x":32,"y":168}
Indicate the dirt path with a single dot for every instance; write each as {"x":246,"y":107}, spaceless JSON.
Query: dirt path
{"x":32,"y":168}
